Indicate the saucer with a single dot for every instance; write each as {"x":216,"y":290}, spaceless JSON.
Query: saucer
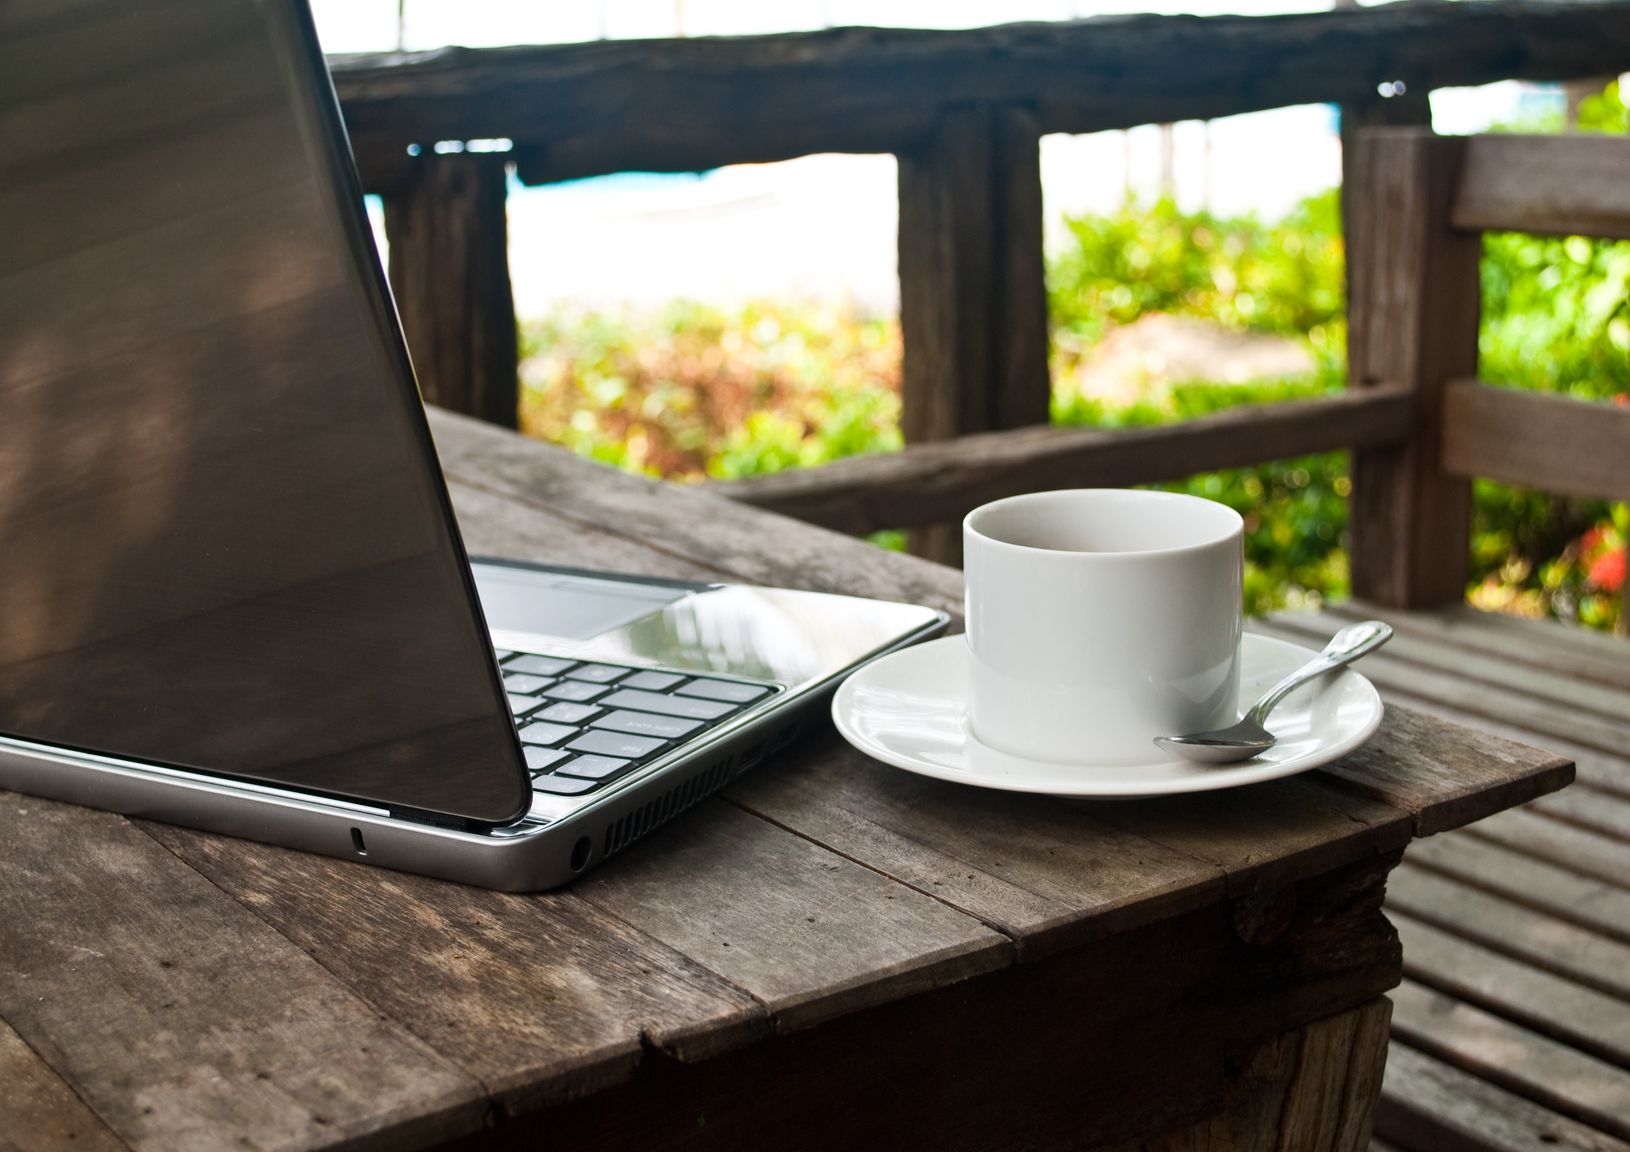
{"x":909,"y":709}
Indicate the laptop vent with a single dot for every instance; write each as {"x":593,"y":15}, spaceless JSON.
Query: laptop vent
{"x":655,"y":813}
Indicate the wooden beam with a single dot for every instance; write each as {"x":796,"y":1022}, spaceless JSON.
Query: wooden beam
{"x":1413,"y":322}
{"x":936,"y":482}
{"x":449,"y":271}
{"x":973,"y":301}
{"x":685,"y":104}
{"x":1536,"y":440}
{"x":1555,"y":185}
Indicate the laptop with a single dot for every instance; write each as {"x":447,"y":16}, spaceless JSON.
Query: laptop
{"x":232,"y":591}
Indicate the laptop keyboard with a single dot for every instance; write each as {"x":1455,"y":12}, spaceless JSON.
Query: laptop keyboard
{"x":584,"y":725}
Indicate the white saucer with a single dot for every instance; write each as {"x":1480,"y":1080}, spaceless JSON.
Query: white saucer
{"x":909,"y":709}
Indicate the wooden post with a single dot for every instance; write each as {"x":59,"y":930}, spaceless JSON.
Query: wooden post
{"x":973,"y":299}
{"x":1413,"y":321}
{"x":449,"y":271}
{"x":1411,"y":108}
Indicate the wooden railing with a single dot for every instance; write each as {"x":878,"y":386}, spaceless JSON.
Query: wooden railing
{"x":964,"y":113}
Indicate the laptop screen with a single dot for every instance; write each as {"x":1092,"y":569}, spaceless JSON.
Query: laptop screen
{"x":224,"y":541}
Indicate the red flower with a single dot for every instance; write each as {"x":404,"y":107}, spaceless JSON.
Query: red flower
{"x":1607,"y":570}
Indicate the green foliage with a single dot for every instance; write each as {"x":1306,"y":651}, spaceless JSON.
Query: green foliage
{"x":697,"y":391}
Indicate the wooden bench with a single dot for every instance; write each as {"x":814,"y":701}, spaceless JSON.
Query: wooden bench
{"x":1512,"y":1026}
{"x":1511,"y":1029}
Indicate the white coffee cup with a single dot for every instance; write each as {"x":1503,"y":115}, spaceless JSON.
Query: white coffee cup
{"x":1099,"y":619}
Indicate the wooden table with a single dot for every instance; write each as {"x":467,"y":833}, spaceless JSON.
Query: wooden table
{"x":833,"y":952}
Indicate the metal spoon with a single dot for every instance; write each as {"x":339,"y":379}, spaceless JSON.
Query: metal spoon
{"x":1249,"y":738}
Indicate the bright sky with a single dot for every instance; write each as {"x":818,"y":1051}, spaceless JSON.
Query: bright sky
{"x":824,"y":226}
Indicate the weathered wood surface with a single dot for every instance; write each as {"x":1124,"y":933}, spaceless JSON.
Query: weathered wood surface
{"x":683,"y":105}
{"x":973,"y":301}
{"x":449,"y":269}
{"x":1560,"y":185}
{"x":1535,"y":440}
{"x":827,"y":928}
{"x":1514,"y":1028}
{"x":1413,"y":319}
{"x":930,"y":482}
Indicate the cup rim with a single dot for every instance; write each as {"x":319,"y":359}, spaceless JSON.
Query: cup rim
{"x":1235,"y":529}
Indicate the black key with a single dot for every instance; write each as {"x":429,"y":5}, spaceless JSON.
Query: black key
{"x":579,"y":690}
{"x":597,"y":673}
{"x":566,"y":712}
{"x":562,"y":785}
{"x":526,"y":684}
{"x":645,"y":724}
{"x":546,"y":733}
{"x":595,"y":767}
{"x":652,"y":681}
{"x":725,"y":690}
{"x":537,"y":665}
{"x":539,"y":759}
{"x":686,"y":706}
{"x":519,"y":704}
{"x":618,"y":744}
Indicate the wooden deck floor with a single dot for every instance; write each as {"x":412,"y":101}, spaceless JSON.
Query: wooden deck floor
{"x":1511,"y":1030}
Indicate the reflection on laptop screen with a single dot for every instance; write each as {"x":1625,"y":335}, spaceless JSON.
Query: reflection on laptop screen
{"x":223,"y":541}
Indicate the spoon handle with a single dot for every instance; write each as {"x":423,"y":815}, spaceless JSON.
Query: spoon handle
{"x":1345,"y":646}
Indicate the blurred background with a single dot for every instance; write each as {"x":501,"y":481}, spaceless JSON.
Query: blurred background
{"x":745,"y":320}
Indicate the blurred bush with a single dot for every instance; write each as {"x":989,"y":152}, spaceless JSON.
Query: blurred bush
{"x":695,"y":392}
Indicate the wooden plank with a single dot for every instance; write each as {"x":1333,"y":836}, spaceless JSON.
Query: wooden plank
{"x":684,"y":105}
{"x":1603,"y":813}
{"x":1535,"y":440}
{"x":1429,"y":1105}
{"x":973,"y":303}
{"x":1570,"y":1013}
{"x":449,"y":271}
{"x":1561,"y":844}
{"x":936,"y":481}
{"x":1558,"y":691}
{"x":1525,"y":933}
{"x":1040,"y":872}
{"x":1567,"y":649}
{"x":1413,"y":321}
{"x":1595,"y":769}
{"x":1591,"y":904}
{"x":686,"y":526}
{"x":540,"y":998}
{"x":1552,"y":185}
{"x":1446,"y":775}
{"x":1589,"y":1090}
{"x":40,"y":1113}
{"x":807,"y":933}
{"x":177,"y":1015}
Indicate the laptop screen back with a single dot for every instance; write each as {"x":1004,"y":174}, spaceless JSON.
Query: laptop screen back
{"x":224,"y":542}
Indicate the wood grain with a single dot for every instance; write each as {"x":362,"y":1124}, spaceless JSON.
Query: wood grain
{"x":973,"y":304}
{"x":931,"y":482}
{"x":1432,"y":1106}
{"x":1533,"y":936}
{"x":809,"y":934}
{"x":449,"y":270}
{"x":538,"y":998}
{"x":1589,"y":1090}
{"x":176,"y":1014}
{"x":1556,"y":185}
{"x":1545,"y":442}
{"x":1587,"y":853}
{"x":1587,"y":1020}
{"x":40,"y":1113}
{"x":1591,"y":904}
{"x":686,"y":105}
{"x":1413,"y":318}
